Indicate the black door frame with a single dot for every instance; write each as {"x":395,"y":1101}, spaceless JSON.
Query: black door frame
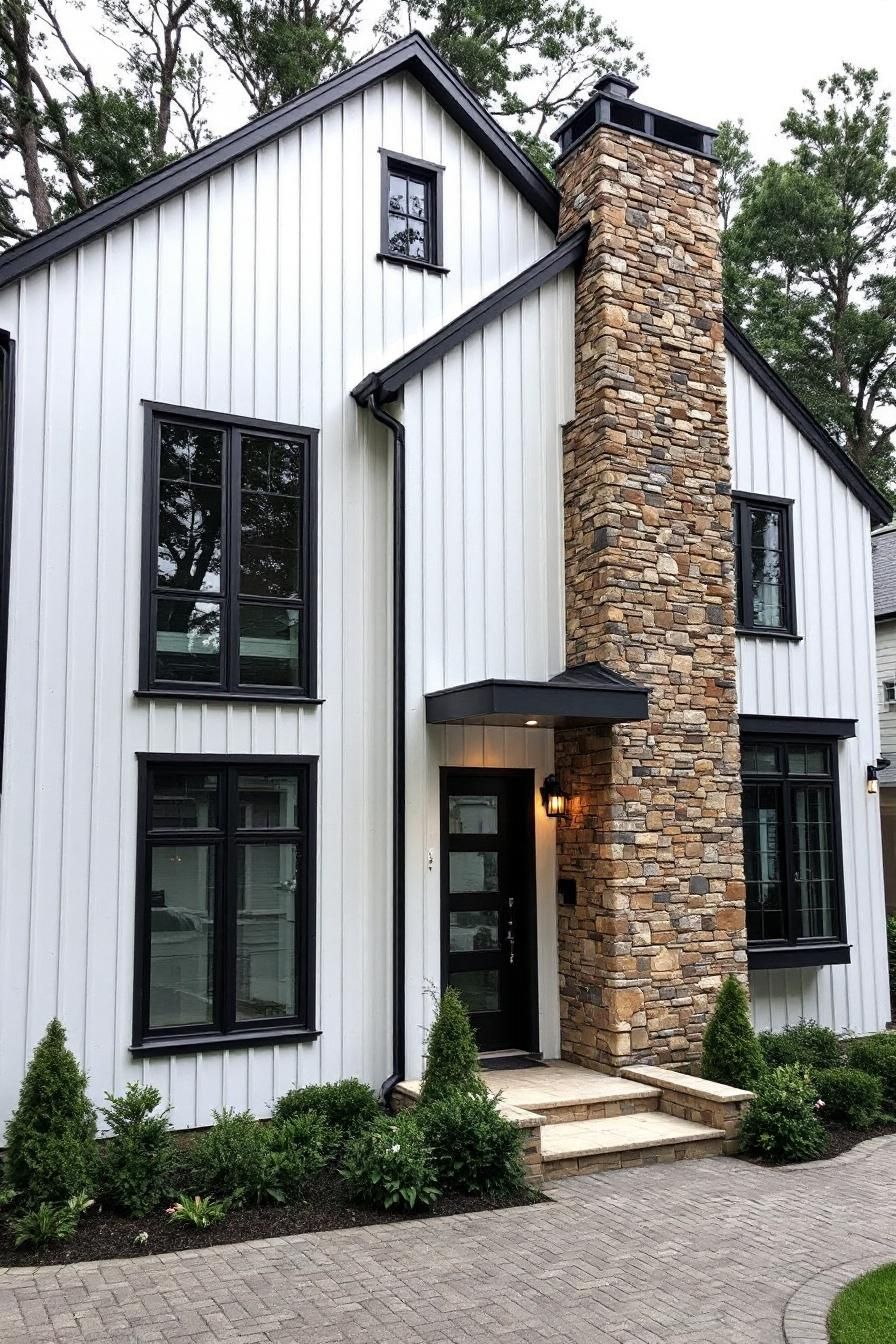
{"x":525,"y":916}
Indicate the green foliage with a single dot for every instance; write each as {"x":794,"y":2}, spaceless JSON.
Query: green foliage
{"x":736,"y":165}
{"x":850,"y":1096}
{"x":46,"y":1223}
{"x":731,"y":1053}
{"x":891,"y":957}
{"x":344,"y":1108}
{"x":863,"y":1312}
{"x":390,"y":1166}
{"x":231,"y":1160}
{"x":781,"y":1123}
{"x":452,"y":1056}
{"x":298,"y":1150}
{"x":804,"y":1042}
{"x":139,"y":1156}
{"x":198,"y":1210}
{"x":877,"y":1055}
{"x":51,"y":1150}
{"x":476,"y":1151}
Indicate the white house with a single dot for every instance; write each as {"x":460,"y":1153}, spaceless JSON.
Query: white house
{"x":350,"y":522}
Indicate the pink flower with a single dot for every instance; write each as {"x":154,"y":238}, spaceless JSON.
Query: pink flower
{"x":819,"y":1105}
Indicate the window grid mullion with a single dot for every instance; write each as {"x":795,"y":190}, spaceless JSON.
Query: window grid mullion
{"x":234,"y":471}
{"x":227,"y":963}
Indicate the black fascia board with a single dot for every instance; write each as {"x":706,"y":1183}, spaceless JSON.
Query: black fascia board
{"x":512,"y":701}
{"x":781,"y":726}
{"x":793,"y":955}
{"x":412,"y":54}
{"x":802,"y":420}
{"x":385,"y":385}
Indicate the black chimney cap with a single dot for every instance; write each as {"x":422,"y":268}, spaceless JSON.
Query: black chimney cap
{"x":615,"y":85}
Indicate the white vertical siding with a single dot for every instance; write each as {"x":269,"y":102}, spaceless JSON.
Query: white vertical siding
{"x":256,"y":292}
{"x":828,"y":673}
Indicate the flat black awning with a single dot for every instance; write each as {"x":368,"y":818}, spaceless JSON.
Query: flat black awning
{"x":589,"y":694}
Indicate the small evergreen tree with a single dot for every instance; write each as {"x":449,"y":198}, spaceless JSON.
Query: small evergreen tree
{"x":731,"y":1052}
{"x":452,"y":1056}
{"x":139,"y":1156}
{"x":51,"y":1152}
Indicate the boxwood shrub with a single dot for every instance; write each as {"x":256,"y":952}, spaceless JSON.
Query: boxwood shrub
{"x":781,"y":1123}
{"x":850,"y":1096}
{"x":476,"y":1151}
{"x":805,"y":1043}
{"x":877,"y":1055}
{"x":345,"y":1109}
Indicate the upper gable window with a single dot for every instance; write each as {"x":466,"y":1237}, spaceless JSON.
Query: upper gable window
{"x":228,"y":547}
{"x":411,"y":211}
{"x":763,"y":538}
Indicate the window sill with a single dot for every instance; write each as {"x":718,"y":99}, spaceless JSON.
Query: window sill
{"x":798,"y":954}
{"x":234,"y":1040}
{"x":768,"y":634}
{"x":412,"y":261}
{"x":237,"y":697}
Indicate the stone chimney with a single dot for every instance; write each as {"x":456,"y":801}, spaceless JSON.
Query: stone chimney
{"x":654,"y":841}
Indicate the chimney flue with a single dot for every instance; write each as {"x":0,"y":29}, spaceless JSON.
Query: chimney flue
{"x":617,"y":86}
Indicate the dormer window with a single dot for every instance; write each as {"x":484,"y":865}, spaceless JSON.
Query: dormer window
{"x":411,"y":212}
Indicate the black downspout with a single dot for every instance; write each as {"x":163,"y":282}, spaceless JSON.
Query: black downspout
{"x":398,"y":743}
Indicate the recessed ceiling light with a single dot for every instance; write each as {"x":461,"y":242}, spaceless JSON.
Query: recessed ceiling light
{"x":531,"y":723}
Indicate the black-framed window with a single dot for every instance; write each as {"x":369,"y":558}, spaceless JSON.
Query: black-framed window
{"x":411,"y":211}
{"x":792,"y":846}
{"x":763,"y":541}
{"x":225,"y":899}
{"x":229,"y":556}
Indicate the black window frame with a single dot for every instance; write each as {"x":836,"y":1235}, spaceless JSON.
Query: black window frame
{"x":226,"y":1032}
{"x":795,"y":949}
{"x":432,"y":174}
{"x":742,"y":505}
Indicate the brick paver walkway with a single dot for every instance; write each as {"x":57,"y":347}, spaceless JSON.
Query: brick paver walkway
{"x":696,"y":1253}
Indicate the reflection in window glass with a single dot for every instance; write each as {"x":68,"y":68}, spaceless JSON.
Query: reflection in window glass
{"x":266,"y":931}
{"x":473,"y":871}
{"x":181,"y":931}
{"x":480,"y":990}
{"x":473,"y":814}
{"x":268,"y":801}
{"x":188,"y":640}
{"x":184,"y":799}
{"x":474,"y":931}
{"x":269,"y":645}
{"x":190,"y":504}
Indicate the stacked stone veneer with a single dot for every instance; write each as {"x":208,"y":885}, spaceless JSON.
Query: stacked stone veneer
{"x":654,"y":838}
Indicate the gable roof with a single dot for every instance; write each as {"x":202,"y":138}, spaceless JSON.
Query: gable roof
{"x":385,"y":385}
{"x":413,"y":55}
{"x":777,"y":390}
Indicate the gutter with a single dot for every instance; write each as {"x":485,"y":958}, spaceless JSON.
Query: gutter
{"x":398,"y":742}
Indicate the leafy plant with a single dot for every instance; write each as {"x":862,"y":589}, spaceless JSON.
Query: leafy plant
{"x":389,"y":1165}
{"x":51,"y":1138}
{"x":891,"y":958}
{"x":198,"y":1210}
{"x":781,"y":1123}
{"x":50,"y":1222}
{"x":7,"y":1196}
{"x":452,"y":1056}
{"x":139,"y":1156}
{"x":232,"y":1159}
{"x":877,"y":1055}
{"x":850,"y":1095}
{"x":298,"y":1149}
{"x":344,"y":1108}
{"x":731,"y":1052}
{"x":476,"y":1151}
{"x":804,"y":1042}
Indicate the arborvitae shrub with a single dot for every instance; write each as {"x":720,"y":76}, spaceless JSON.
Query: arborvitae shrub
{"x":731,"y":1052}
{"x":138,"y":1158}
{"x":452,"y":1056}
{"x":51,"y":1151}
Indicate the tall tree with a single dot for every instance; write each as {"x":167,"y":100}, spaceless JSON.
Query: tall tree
{"x":809,"y":264}
{"x":736,"y":166}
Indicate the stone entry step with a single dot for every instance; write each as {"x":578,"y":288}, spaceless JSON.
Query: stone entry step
{"x":638,"y":1140}
{"x":562,"y":1093}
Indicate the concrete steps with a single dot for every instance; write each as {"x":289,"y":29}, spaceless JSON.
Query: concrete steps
{"x":637,"y":1140}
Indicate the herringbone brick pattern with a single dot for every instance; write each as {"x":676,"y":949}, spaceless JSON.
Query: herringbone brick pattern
{"x":694,"y":1253}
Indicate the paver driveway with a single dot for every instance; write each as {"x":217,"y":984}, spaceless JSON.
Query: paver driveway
{"x":697,"y":1253}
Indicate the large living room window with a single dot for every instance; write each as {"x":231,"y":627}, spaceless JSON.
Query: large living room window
{"x":228,"y":557}
{"x":763,"y":540}
{"x":791,"y":844}
{"x":225,"y":913}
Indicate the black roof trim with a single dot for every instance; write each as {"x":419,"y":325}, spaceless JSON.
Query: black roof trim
{"x":781,"y":726}
{"x":786,"y":401}
{"x":388,"y":382}
{"x":589,"y":694}
{"x":413,"y":54}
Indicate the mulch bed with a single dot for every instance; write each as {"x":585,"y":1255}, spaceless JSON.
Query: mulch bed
{"x":840,"y":1139}
{"x":107,"y":1236}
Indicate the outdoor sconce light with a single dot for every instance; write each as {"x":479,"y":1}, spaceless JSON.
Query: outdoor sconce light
{"x":880,"y":764}
{"x":556,"y":802}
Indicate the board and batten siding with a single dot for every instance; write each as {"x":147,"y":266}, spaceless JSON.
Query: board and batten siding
{"x":485,"y":596}
{"x":828,"y":673}
{"x":256,"y":292}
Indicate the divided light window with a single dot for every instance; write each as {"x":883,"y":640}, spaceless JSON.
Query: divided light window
{"x":763,"y":540}
{"x":411,"y":211}
{"x":791,"y":841}
{"x":229,"y":557}
{"x":225,"y":898}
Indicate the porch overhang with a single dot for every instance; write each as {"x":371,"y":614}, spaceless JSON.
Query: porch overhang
{"x":578,"y":697}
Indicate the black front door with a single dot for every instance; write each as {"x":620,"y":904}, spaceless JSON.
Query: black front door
{"x":488,"y":899}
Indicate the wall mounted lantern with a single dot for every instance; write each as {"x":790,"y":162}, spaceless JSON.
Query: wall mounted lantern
{"x":556,"y":802}
{"x":880,"y":764}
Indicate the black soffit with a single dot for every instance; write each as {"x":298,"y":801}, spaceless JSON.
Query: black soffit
{"x":589,"y":694}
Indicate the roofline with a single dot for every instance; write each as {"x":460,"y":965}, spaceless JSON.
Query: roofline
{"x":413,"y":54}
{"x":852,"y":476}
{"x":385,"y":385}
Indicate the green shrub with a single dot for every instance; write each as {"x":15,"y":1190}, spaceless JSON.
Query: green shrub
{"x":804,"y":1042}
{"x":389,"y":1165}
{"x":197,"y":1210}
{"x":850,"y":1096}
{"x":452,"y":1055}
{"x":777,"y":1048}
{"x":51,"y":1150}
{"x":345,"y":1109}
{"x":781,"y":1123}
{"x":138,"y":1157}
{"x":475,"y":1150}
{"x":298,"y":1149}
{"x":231,"y":1160}
{"x":877,"y":1055}
{"x":731,"y":1052}
{"x":891,"y":957}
